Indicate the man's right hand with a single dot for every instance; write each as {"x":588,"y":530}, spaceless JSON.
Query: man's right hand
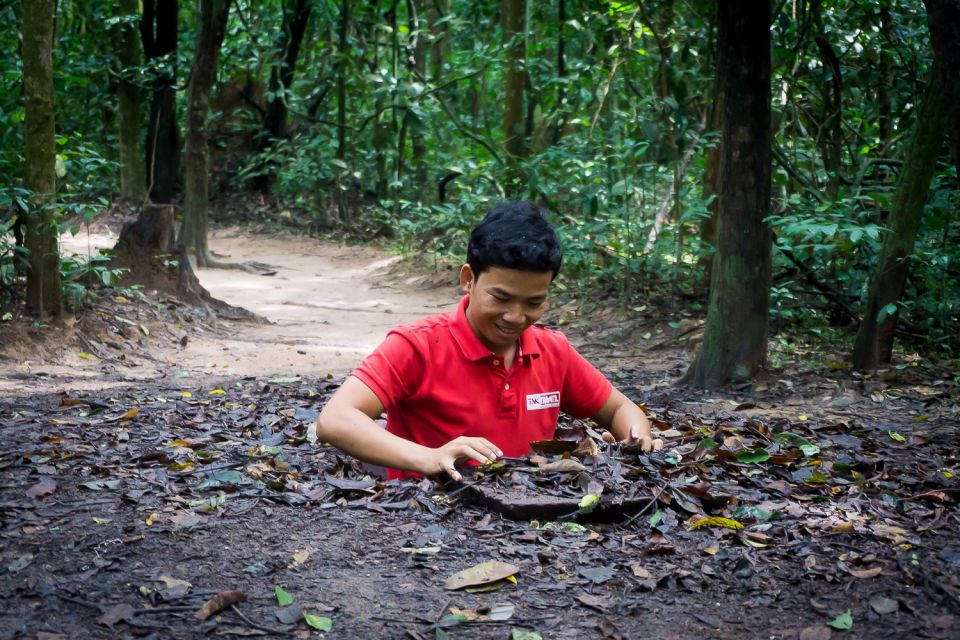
{"x":444,"y":459}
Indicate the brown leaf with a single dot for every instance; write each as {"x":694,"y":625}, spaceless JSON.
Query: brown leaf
{"x":942,"y":622}
{"x":46,"y":486}
{"x":883,"y":605}
{"x":871,"y":572}
{"x":483,"y":573}
{"x":564,"y":466}
{"x":115,"y":614}
{"x":219,"y":602}
{"x":820,"y":632}
{"x":594,"y":602}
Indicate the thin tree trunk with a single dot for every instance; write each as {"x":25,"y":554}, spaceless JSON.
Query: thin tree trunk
{"x":440,"y":47}
{"x":380,"y":131}
{"x":343,"y":50}
{"x":735,"y":339}
{"x":886,"y":75}
{"x":296,"y":16}
{"x":158,"y":30}
{"x":43,"y":279}
{"x":419,"y":63}
{"x":213,"y":25}
{"x":874,"y":343}
{"x":514,"y":12}
{"x":561,"y":71}
{"x":130,"y":103}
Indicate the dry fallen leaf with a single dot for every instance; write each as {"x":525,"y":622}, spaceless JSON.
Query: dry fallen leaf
{"x":219,"y":602}
{"x":871,"y":572}
{"x":481,"y":574}
{"x":115,"y":614}
{"x":46,"y":486}
{"x":565,"y":466}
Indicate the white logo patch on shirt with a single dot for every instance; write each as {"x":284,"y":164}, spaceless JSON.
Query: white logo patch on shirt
{"x":536,"y":401}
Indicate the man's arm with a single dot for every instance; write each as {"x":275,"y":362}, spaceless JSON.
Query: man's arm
{"x":347,"y":422}
{"x":626,"y":422}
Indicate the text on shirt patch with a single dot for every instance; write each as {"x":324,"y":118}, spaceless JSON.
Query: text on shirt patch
{"x":547,"y":400}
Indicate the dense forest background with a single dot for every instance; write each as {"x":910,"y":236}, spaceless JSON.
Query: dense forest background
{"x":785,"y":166}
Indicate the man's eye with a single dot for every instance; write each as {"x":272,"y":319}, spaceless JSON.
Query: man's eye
{"x":499,"y":299}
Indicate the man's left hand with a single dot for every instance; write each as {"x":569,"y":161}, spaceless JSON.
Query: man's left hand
{"x":646,"y":443}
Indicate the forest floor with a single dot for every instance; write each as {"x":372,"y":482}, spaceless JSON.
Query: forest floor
{"x":155,"y":458}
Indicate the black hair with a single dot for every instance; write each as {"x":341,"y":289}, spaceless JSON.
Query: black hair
{"x":515,"y":234}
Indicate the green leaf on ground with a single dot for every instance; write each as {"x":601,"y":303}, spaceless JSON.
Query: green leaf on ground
{"x":843,"y":622}
{"x":752,"y":456}
{"x":320,"y":623}
{"x":284,"y":599}
{"x":523,"y":634}
{"x":896,"y":437}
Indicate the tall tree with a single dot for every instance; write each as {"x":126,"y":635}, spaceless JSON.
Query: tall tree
{"x":158,"y":30}
{"x":296,"y":17}
{"x":735,"y":340}
{"x":943,"y":17}
{"x":193,"y":233}
{"x":130,"y":102}
{"x":874,"y":342}
{"x":43,"y":278}
{"x":514,"y":15}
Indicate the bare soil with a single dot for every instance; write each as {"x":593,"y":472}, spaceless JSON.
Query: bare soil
{"x":151,"y":463}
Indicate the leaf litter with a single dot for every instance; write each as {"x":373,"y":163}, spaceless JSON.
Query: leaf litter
{"x":229,"y":493}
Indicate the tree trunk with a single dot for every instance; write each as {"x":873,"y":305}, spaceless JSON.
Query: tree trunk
{"x":514,"y":12}
{"x":296,"y":16}
{"x":831,"y":132}
{"x":944,"y":20}
{"x":158,"y":30}
{"x":874,"y":343}
{"x":213,"y":25}
{"x":130,"y":102}
{"x":440,"y":47}
{"x":43,"y":279}
{"x":561,"y":72}
{"x":735,"y":340}
{"x":419,"y":63}
{"x":711,"y":175}
{"x":343,"y":49}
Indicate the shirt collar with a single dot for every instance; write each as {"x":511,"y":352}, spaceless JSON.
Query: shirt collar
{"x":470,"y":344}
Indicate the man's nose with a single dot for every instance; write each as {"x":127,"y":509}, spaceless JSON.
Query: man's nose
{"x":514,"y":314}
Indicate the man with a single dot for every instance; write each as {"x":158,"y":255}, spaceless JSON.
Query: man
{"x":482,"y":381}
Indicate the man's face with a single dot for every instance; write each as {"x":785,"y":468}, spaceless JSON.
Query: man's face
{"x":504,"y":302}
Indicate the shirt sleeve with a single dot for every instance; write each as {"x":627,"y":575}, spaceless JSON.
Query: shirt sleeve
{"x":393,"y":371}
{"x":585,"y":389}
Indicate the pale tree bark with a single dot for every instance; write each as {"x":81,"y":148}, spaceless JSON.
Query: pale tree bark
{"x":735,"y":339}
{"x":133,"y":181}
{"x":193,"y":233}
{"x":874,"y":342}
{"x":43,"y":278}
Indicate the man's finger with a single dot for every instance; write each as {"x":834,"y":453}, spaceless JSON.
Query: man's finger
{"x":454,"y":474}
{"x":608,"y":437}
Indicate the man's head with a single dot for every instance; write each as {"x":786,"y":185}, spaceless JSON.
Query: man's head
{"x":513,"y":256}
{"x":515,"y":235}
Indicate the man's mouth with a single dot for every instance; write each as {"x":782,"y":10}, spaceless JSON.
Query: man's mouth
{"x":509,"y":331}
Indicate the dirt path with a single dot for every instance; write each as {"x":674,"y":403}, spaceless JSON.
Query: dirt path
{"x":327,"y":305}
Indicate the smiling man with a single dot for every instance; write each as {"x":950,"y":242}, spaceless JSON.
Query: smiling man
{"x":482,"y":381}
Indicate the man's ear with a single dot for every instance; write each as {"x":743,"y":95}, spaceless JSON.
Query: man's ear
{"x":466,"y":278}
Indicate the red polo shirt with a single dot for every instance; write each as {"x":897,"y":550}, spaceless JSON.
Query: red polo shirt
{"x":437,"y":382}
